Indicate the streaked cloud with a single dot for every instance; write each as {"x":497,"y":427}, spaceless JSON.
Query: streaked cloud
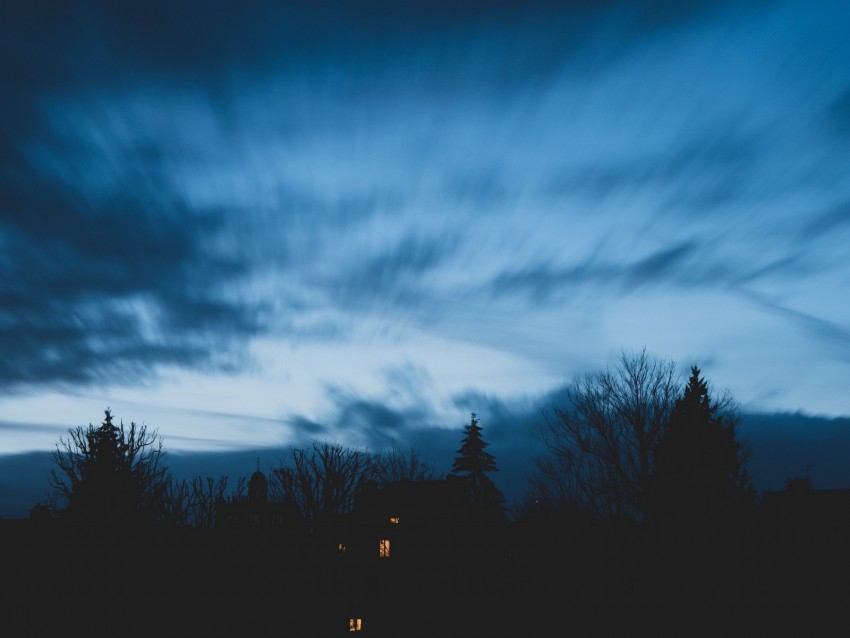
{"x":189,"y":192}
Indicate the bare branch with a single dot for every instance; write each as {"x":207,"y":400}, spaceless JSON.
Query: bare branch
{"x":600,"y":443}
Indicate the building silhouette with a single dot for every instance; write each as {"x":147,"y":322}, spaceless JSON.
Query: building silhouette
{"x":255,"y":510}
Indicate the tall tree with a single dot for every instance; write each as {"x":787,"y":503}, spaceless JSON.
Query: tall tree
{"x":110,"y":473}
{"x":600,"y":442}
{"x":472,"y":464}
{"x":699,"y":468}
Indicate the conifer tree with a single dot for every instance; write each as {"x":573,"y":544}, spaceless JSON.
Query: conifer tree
{"x":472,"y":464}
{"x":110,"y":473}
{"x":699,"y":463}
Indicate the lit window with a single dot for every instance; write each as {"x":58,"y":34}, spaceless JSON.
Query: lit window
{"x":355,"y":624}
{"x":384,"y":548}
{"x":394,"y":520}
{"x":341,"y":548}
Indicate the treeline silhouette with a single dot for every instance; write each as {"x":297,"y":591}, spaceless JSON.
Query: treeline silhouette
{"x":641,"y":519}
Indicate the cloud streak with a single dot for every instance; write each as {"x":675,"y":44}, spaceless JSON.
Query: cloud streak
{"x":179,"y":183}
{"x":95,"y":293}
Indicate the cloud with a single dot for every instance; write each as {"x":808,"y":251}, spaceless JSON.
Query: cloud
{"x":394,"y":276}
{"x":836,"y":218}
{"x":107,"y":293}
{"x":307,"y":428}
{"x":543,"y":283}
{"x":14,"y":427}
{"x":365,"y":421}
{"x":176,"y":180}
{"x":834,"y":337}
{"x":689,"y":174}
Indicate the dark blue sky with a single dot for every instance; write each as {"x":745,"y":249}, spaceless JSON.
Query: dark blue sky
{"x":249,"y":226}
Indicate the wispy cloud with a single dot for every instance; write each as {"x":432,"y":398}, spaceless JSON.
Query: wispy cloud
{"x":836,"y":218}
{"x":98,"y":294}
{"x":833,"y":337}
{"x":545,"y":284}
{"x":12,"y":426}
{"x":179,"y":181}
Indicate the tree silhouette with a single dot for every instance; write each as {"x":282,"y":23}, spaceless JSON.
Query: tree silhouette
{"x":600,"y":443}
{"x":402,"y":464}
{"x":322,"y":481}
{"x":193,"y":502}
{"x":110,"y":473}
{"x":699,"y":463}
{"x":472,"y":464}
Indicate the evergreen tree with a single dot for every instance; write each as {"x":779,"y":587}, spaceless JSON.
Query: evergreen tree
{"x":699,"y":463}
{"x":472,"y":464}
{"x":110,"y":473}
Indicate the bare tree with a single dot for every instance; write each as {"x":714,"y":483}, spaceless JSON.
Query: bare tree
{"x":193,"y":502}
{"x":323,"y":480}
{"x":601,"y":442}
{"x":205,"y":494}
{"x":177,"y":498}
{"x":403,"y":464}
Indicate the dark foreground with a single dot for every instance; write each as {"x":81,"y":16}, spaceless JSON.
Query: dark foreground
{"x":539,"y":578}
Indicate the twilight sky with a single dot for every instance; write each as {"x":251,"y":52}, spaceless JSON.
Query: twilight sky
{"x":250,"y":226}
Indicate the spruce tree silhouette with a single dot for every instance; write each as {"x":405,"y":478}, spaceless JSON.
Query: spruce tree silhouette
{"x":472,"y":464}
{"x":110,"y":474}
{"x":699,"y":463}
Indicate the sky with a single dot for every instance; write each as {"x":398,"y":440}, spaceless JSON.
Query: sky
{"x":252,"y":226}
